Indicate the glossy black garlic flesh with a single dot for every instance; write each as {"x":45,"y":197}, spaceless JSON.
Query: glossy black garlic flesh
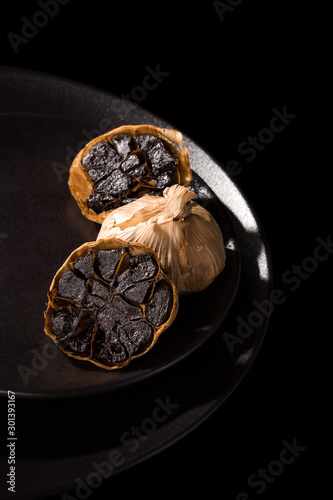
{"x":124,"y":164}
{"x":109,"y":303}
{"x":122,"y":169}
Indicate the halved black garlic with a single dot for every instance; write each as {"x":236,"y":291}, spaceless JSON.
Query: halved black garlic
{"x":124,"y":164}
{"x":109,"y":303}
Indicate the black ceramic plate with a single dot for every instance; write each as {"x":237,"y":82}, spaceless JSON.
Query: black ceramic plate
{"x":55,"y":454}
{"x":41,"y":226}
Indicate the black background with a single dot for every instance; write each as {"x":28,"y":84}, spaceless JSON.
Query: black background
{"x":224,"y":75}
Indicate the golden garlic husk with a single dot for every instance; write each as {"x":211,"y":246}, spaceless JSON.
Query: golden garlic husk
{"x":184,"y":235}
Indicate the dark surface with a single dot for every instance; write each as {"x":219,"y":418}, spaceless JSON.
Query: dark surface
{"x":50,"y":376}
{"x":218,"y":79}
{"x":49,"y":229}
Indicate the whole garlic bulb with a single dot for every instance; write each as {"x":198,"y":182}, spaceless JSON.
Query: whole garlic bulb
{"x":185,"y":236}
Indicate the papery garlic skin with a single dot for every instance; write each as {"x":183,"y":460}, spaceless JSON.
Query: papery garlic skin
{"x":185,"y":236}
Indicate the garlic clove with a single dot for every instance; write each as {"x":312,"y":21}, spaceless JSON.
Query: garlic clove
{"x":109,"y":303}
{"x":125,"y":164}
